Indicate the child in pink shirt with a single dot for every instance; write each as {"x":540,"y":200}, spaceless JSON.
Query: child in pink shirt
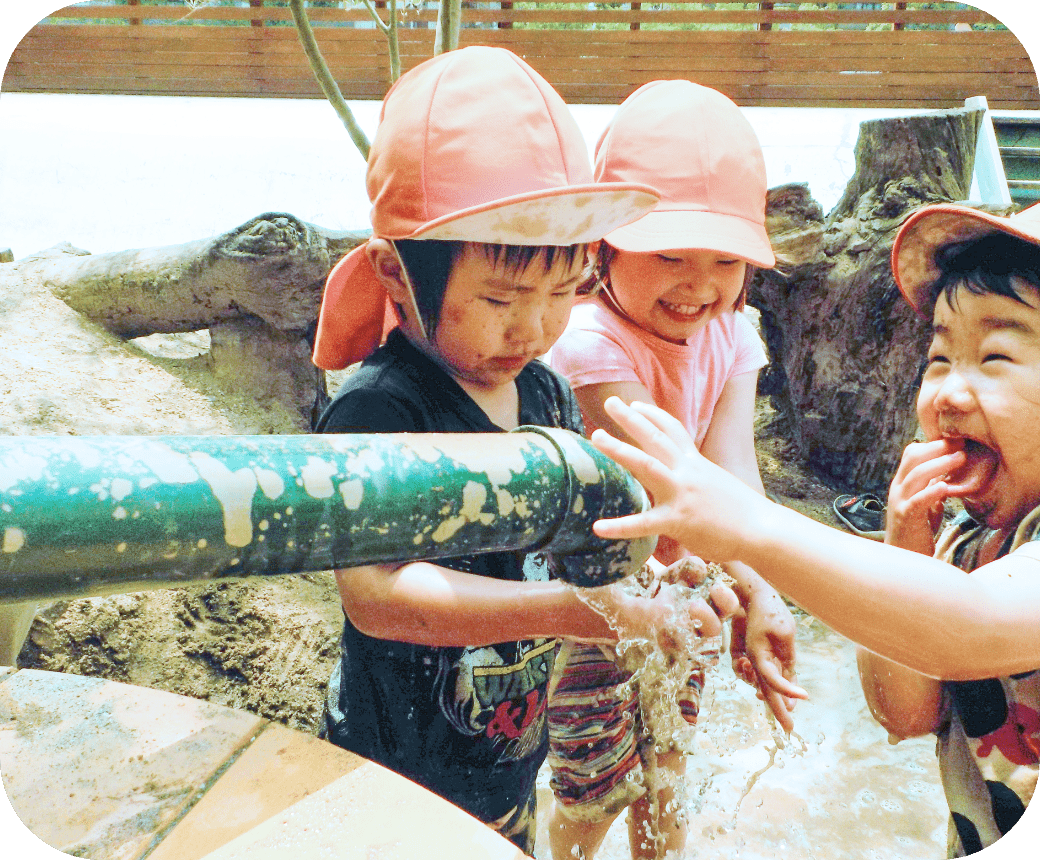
{"x":665,"y":328}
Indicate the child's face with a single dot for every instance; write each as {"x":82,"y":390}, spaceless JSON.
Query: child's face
{"x":674,"y":293}
{"x":982,"y":385}
{"x":495,"y":319}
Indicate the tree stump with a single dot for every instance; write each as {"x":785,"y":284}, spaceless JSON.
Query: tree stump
{"x":847,"y":351}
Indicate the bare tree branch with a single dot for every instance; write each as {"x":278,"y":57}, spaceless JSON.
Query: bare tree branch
{"x":380,"y":23}
{"x":449,"y":18}
{"x":325,"y":80}
{"x":388,"y":29}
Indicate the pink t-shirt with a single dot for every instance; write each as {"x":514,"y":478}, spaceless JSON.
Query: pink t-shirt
{"x":684,"y":379}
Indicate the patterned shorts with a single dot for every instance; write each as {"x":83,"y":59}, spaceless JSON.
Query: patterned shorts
{"x":597,"y":740}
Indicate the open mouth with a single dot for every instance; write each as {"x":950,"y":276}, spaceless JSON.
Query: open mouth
{"x":683,"y":312}
{"x":980,"y":465}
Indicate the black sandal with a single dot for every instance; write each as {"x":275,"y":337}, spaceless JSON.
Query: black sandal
{"x":862,"y":513}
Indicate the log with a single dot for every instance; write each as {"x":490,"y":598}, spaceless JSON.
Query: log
{"x":272,"y":268}
{"x":846,"y":350}
{"x":257,"y":288}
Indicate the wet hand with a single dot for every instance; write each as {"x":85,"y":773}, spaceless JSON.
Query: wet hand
{"x":668,"y":613}
{"x":688,"y":570}
{"x":918,"y":492}
{"x":763,"y":652}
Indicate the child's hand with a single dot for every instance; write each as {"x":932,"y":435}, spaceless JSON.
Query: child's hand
{"x":694,"y":501}
{"x":668,"y":615}
{"x":762,"y":649}
{"x":688,"y":570}
{"x":918,"y":491}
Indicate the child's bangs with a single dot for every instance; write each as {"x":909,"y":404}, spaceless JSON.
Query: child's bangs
{"x":989,"y":264}
{"x":517,"y":258}
{"x":607,"y":252}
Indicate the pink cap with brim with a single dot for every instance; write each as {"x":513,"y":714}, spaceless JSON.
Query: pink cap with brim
{"x":698,"y":150}
{"x":472,"y":145}
{"x":932,"y":227}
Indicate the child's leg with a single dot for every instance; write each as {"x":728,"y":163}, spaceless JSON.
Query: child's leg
{"x":592,"y":750}
{"x":657,"y":825}
{"x":576,"y":840}
{"x":657,"y":821}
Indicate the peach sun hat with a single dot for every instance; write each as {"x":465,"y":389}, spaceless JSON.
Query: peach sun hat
{"x":932,"y":227}
{"x":472,"y":145}
{"x":699,"y":151}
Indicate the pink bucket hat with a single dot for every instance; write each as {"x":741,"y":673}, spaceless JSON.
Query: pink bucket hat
{"x":472,"y":145}
{"x":931,"y":227}
{"x":699,"y":151}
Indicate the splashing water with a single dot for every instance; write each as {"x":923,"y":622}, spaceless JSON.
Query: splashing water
{"x":836,"y":790}
{"x":660,"y":668}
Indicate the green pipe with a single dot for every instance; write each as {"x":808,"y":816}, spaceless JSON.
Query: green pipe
{"x":96,"y":515}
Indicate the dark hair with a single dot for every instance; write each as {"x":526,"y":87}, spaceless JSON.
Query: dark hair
{"x":430,"y":261}
{"x":606,"y":255}
{"x":984,"y":265}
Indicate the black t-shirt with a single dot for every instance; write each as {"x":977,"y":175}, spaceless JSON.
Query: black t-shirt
{"x":467,"y":723}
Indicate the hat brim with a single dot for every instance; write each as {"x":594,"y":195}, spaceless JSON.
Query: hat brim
{"x":570,"y":215}
{"x":675,"y":229}
{"x":932,"y":227}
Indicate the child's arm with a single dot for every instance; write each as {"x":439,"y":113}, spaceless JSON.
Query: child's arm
{"x":907,"y":703}
{"x":427,"y":604}
{"x":764,"y":650}
{"x":768,"y":634}
{"x":918,"y":611}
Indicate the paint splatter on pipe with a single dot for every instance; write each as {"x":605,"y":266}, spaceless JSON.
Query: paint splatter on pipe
{"x":97,"y":515}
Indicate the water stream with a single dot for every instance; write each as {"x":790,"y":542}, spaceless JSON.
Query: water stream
{"x":836,"y":790}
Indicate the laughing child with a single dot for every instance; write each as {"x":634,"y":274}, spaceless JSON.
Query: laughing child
{"x":665,"y":328}
{"x":941,"y":651}
{"x":483,"y":205}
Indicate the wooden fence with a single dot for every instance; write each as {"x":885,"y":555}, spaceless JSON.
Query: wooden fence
{"x":895,"y":55}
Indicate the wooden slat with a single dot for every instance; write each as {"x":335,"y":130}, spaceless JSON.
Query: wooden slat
{"x":361,"y":55}
{"x":895,"y":44}
{"x":599,"y":93}
{"x":700,"y":15}
{"x":232,"y":52}
{"x":321,"y":16}
{"x":173,"y":65}
{"x":850,"y":38}
{"x":848,"y":67}
{"x":737,"y":87}
{"x":980,"y":38}
{"x":885,"y":43}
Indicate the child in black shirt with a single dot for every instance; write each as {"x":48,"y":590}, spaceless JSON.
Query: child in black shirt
{"x":483,"y":205}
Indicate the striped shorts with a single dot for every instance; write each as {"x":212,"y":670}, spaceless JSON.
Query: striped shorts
{"x":597,"y":739}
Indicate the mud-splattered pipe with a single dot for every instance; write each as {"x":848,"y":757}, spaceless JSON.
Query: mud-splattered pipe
{"x":96,"y":515}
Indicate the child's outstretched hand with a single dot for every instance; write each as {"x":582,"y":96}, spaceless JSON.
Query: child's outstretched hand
{"x":918,"y":491}
{"x":694,"y":501}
